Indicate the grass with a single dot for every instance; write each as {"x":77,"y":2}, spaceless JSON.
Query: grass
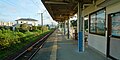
{"x":17,"y":47}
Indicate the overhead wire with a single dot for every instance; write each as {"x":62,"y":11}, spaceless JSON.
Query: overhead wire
{"x":8,"y":2}
{"x":35,"y":3}
{"x":13,"y":4}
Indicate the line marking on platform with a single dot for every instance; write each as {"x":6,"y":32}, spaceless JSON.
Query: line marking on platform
{"x":53,"y":55}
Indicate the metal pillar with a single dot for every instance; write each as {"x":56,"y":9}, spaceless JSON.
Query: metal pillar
{"x":61,"y":27}
{"x":80,"y":32}
{"x":68,"y":29}
{"x":64,"y":28}
{"x":58,"y":25}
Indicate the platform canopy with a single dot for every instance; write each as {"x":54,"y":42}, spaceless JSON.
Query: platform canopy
{"x":61,"y":10}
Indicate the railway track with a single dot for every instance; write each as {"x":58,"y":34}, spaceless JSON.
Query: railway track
{"x":32,"y":50}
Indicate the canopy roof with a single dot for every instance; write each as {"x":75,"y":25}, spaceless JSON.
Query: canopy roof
{"x":61,"y":10}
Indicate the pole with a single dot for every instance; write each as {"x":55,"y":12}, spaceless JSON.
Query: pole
{"x":68,"y":30}
{"x":42,"y":21}
{"x":64,"y":28}
{"x":80,"y":32}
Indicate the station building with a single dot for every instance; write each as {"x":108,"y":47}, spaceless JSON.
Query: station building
{"x":103,"y":17}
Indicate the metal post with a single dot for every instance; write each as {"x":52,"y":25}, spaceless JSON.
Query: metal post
{"x":80,"y":33}
{"x":64,"y":28}
{"x":59,"y":25}
{"x":68,"y":30}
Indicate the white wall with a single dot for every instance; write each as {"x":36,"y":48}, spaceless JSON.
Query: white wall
{"x":29,"y":22}
{"x":98,"y":42}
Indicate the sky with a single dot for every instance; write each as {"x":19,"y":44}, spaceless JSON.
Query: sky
{"x":11,"y":10}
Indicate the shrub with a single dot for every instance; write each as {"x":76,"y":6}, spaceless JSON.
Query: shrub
{"x":17,"y":29}
{"x":8,"y":27}
{"x":39,"y":27}
{"x":20,"y":34}
{"x":2,"y":27}
{"x":7,"y":38}
{"x":24,"y":27}
{"x":44,"y":28}
{"x":11,"y":42}
{"x":34,"y":27}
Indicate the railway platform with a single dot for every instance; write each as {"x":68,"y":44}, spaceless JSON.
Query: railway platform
{"x":57,"y":47}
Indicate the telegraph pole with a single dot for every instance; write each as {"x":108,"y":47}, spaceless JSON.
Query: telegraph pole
{"x":42,"y":21}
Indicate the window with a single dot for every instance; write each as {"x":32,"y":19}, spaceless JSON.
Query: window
{"x":115,"y":24}
{"x":86,"y":23}
{"x":97,"y":22}
{"x":93,"y":23}
{"x":100,"y":25}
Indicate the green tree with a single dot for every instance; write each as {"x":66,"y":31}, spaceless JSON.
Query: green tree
{"x":73,"y":23}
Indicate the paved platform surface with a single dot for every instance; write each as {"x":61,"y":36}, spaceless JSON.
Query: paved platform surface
{"x":45,"y":52}
{"x":58,"y":47}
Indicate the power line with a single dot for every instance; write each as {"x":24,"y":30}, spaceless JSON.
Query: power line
{"x":35,"y":3}
{"x":8,"y":2}
{"x":13,"y":4}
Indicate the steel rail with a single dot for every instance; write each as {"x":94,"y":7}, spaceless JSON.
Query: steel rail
{"x":41,"y":42}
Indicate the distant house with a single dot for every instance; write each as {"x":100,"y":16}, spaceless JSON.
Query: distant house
{"x":29,"y":21}
{"x":6,"y":23}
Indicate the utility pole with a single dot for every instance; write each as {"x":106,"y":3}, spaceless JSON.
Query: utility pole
{"x":42,"y":21}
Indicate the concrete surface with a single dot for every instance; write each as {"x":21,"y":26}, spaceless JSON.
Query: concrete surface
{"x":58,"y":47}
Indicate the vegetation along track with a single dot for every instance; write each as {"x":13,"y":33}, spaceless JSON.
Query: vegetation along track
{"x":32,"y":50}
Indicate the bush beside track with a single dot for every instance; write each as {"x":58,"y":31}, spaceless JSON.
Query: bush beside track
{"x":13,"y":43}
